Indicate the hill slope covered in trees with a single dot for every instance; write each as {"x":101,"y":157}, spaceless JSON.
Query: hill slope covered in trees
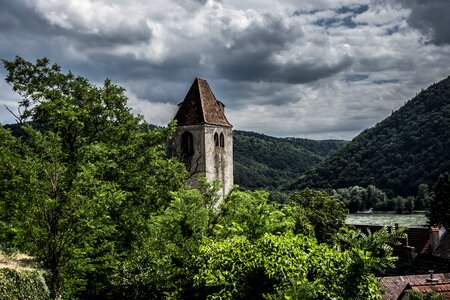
{"x":406,"y":149}
{"x":262,"y":161}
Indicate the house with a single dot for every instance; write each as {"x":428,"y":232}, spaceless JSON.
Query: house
{"x":396,"y":287}
{"x":423,"y":249}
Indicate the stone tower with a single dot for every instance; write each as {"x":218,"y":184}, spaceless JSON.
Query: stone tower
{"x":203,"y":139}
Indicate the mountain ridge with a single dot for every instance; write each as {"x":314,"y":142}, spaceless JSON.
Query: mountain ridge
{"x":268,"y":162}
{"x":406,"y":149}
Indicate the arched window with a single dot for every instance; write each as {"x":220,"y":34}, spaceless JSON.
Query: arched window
{"x":222,"y":140}
{"x":187,"y":144}
{"x":216,"y":139}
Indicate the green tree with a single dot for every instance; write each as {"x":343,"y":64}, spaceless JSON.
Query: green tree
{"x":250,"y":214}
{"x":284,"y":267}
{"x":423,"y":197}
{"x":11,"y":182}
{"x":326,"y":213}
{"x":439,"y":212}
{"x":91,"y":177}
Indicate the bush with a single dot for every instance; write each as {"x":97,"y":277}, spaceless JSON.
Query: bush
{"x":23,"y":284}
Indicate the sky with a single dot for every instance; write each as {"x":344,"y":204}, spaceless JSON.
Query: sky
{"x":320,"y":69}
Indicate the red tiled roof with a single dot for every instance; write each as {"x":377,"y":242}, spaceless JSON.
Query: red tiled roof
{"x":393,"y":286}
{"x":444,"y":247}
{"x":200,"y":106}
{"x":439,"y":287}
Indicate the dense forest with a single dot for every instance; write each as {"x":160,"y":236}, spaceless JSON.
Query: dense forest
{"x":93,"y":197}
{"x":407,"y":149}
{"x":265,"y":162}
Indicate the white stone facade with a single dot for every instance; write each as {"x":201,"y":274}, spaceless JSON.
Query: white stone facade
{"x":211,"y":154}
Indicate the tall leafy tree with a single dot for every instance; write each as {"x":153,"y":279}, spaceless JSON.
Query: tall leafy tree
{"x":439,"y":212}
{"x":90,"y":178}
{"x":11,"y":196}
{"x":326,"y":213}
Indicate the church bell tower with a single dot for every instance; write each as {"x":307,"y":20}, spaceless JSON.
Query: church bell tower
{"x":203,"y":139}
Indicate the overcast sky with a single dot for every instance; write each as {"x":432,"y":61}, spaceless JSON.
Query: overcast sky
{"x":305,"y":68}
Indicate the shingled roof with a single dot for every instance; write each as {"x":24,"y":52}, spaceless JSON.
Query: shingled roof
{"x":200,"y":106}
{"x":393,"y":286}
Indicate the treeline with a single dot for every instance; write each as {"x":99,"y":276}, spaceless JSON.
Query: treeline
{"x":405,"y":150}
{"x":265,"y":162}
{"x":431,"y":200}
{"x":359,"y":199}
{"x":94,"y":198}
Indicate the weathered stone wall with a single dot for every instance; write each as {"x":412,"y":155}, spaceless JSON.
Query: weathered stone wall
{"x":209,"y":160}
{"x":219,"y":160}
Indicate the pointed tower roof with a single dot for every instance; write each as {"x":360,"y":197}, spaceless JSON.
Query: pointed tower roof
{"x":200,"y":106}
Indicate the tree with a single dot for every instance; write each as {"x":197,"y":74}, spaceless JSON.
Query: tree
{"x":423,"y":197}
{"x":284,"y":267}
{"x":439,"y":212}
{"x":90,"y":178}
{"x":251,"y":215}
{"x":326,"y":213}
{"x":11,"y":196}
{"x":164,"y":262}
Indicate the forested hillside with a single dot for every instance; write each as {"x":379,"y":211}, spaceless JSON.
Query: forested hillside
{"x":262,"y":161}
{"x":406,"y":149}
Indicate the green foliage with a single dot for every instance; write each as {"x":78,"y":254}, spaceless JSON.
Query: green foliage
{"x":326,"y":213}
{"x":266,"y":162}
{"x":439,"y":212}
{"x":282,"y":267}
{"x":164,"y":263}
{"x":361,"y":199}
{"x":19,"y":284}
{"x":379,"y":244}
{"x":11,"y":182}
{"x":86,"y":183}
{"x":88,"y":191}
{"x":415,"y":295}
{"x":250,"y":214}
{"x":403,"y":151}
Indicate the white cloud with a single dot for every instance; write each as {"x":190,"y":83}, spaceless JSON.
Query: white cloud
{"x":312,"y":68}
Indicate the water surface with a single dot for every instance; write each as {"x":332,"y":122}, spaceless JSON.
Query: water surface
{"x":386,"y":219}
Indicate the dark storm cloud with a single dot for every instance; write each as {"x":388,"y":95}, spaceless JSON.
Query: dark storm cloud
{"x":355,"y":77}
{"x":130,"y":67}
{"x":18,"y":22}
{"x":385,"y":81}
{"x":386,"y":62}
{"x":327,"y":71}
{"x":251,"y":56}
{"x":124,"y":36}
{"x":240,"y":94}
{"x":431,"y":18}
{"x":256,"y":66}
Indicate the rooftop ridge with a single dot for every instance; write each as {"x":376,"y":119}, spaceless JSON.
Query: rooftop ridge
{"x":200,"y":106}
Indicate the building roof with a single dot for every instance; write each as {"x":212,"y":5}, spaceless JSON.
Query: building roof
{"x":393,"y":286}
{"x":442,"y":288}
{"x":443,"y":250}
{"x":200,"y":106}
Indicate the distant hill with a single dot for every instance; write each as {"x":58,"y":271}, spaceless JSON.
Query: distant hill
{"x":410,"y":147}
{"x":266,"y":162}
